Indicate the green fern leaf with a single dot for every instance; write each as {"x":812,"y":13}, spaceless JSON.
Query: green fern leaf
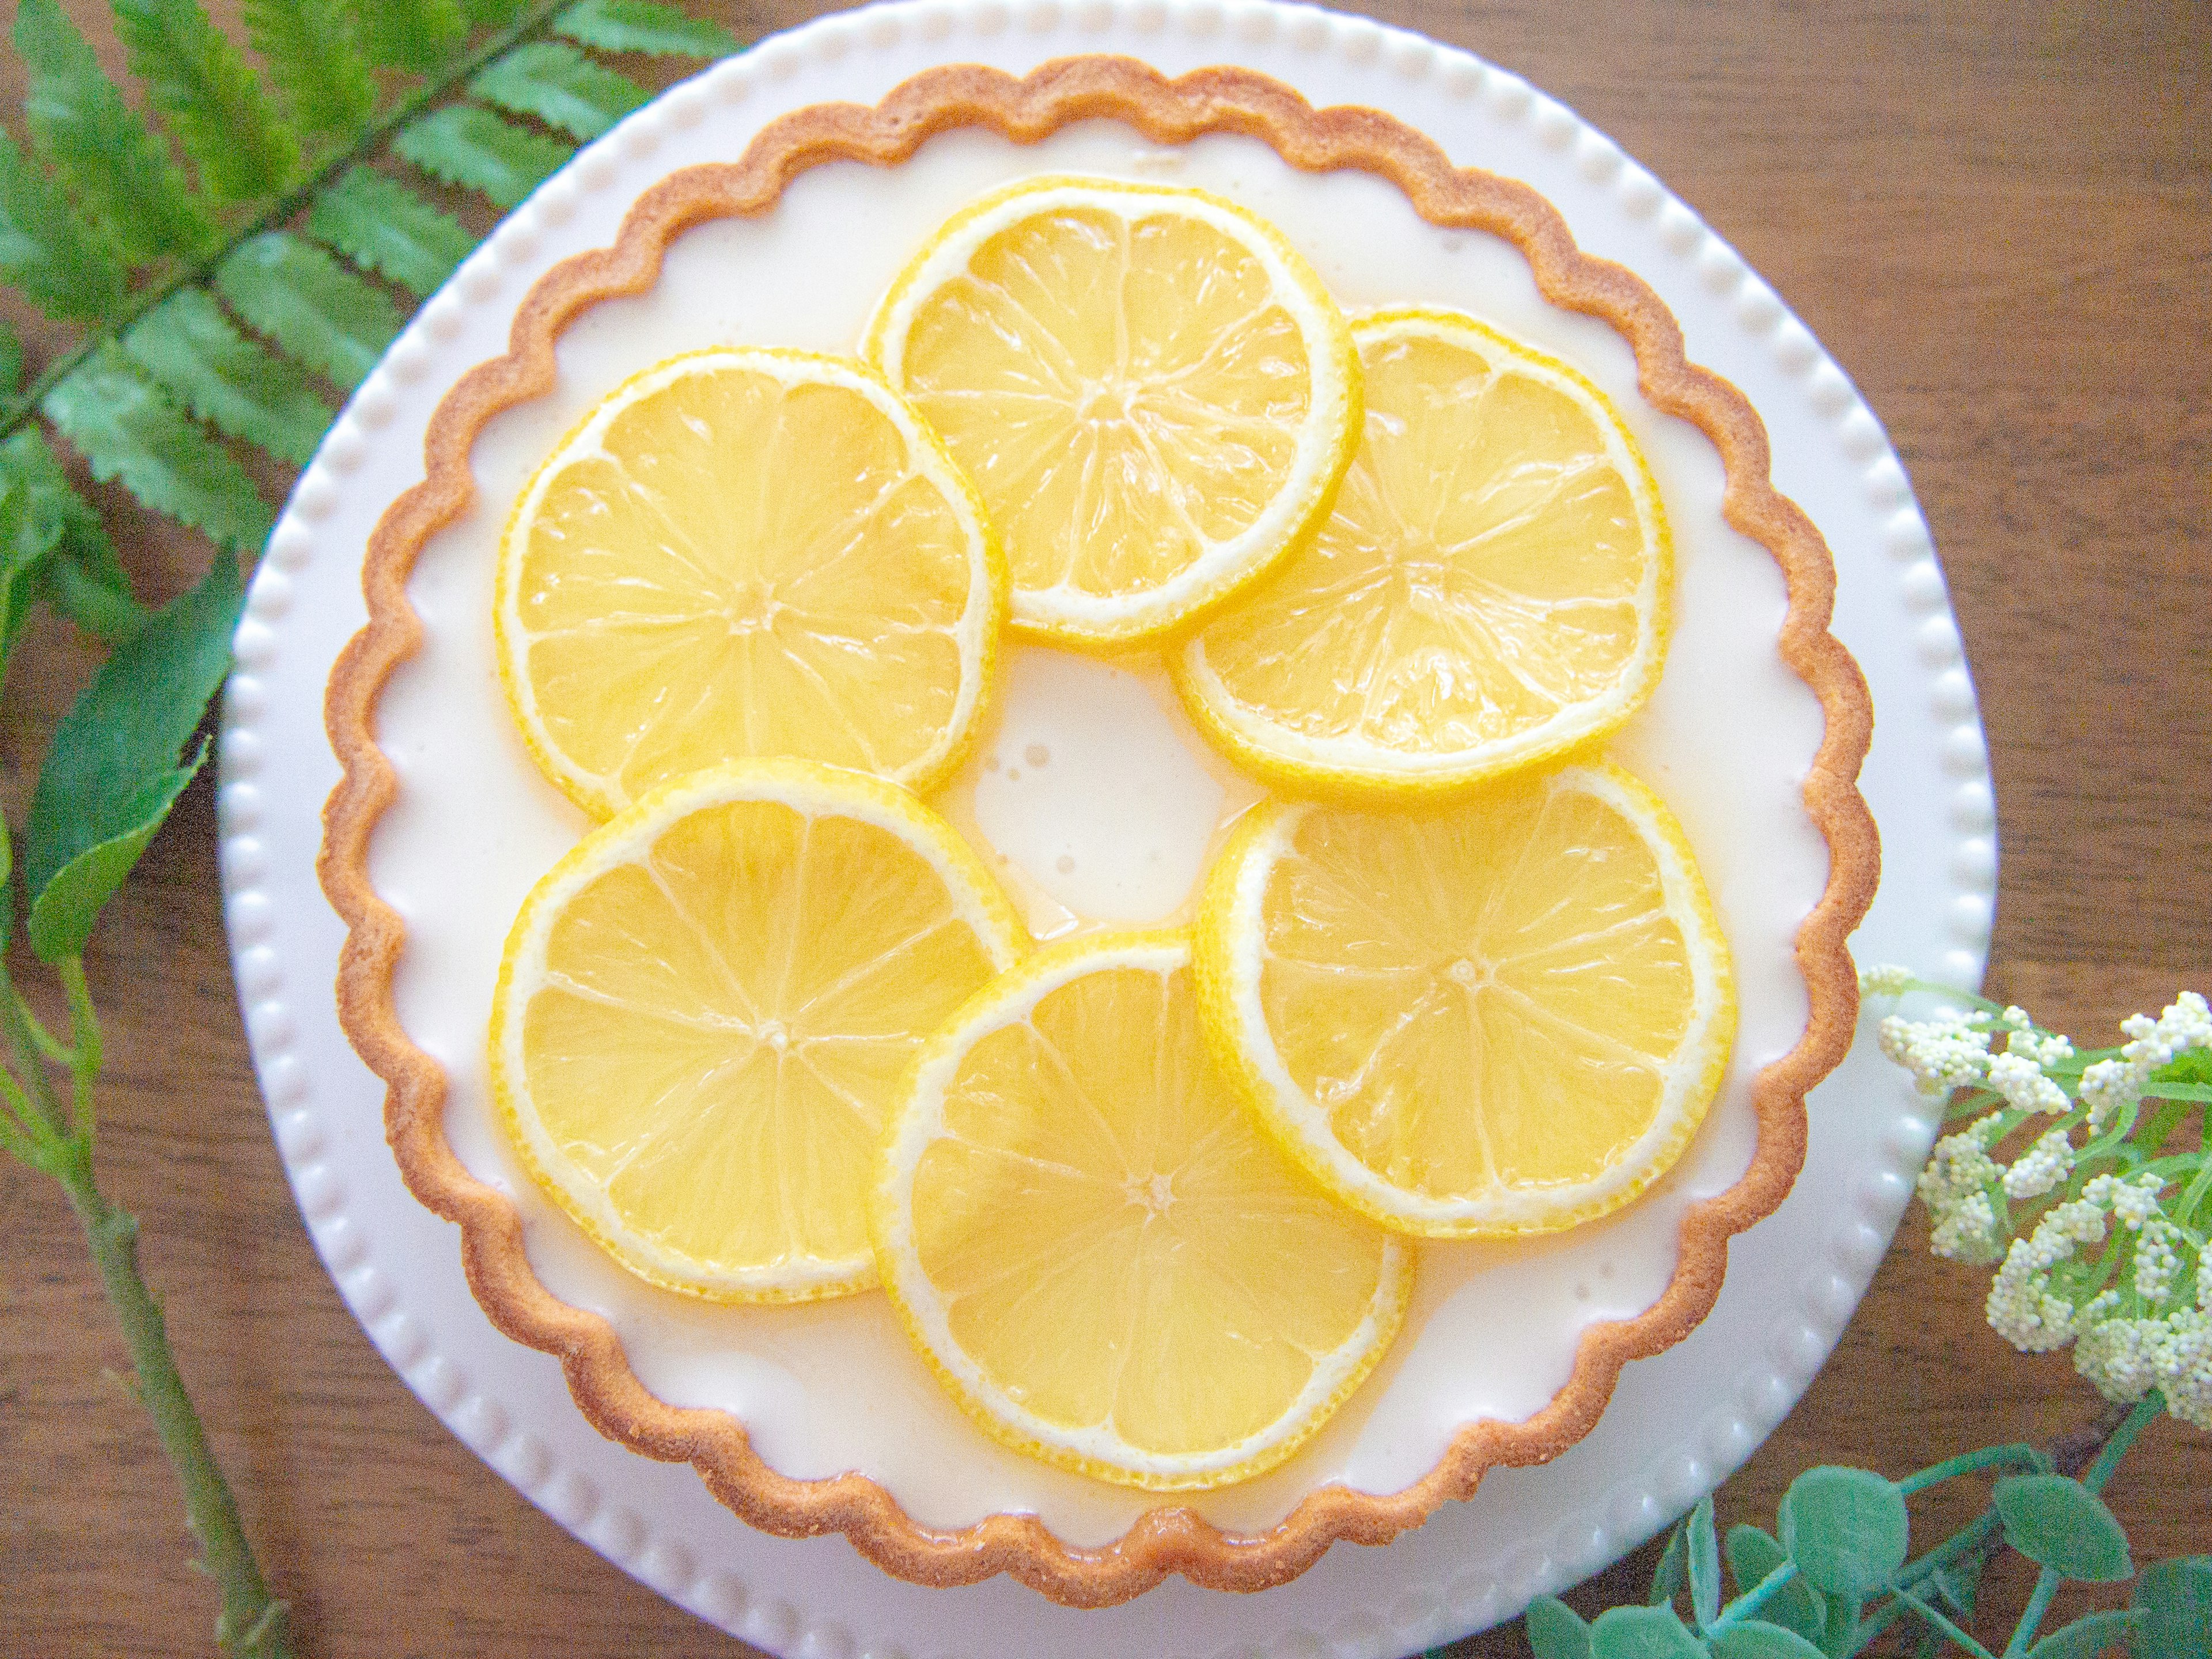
{"x":211,"y":98}
{"x":45,"y":249}
{"x":643,"y":27}
{"x":382,"y":225}
{"x":201,"y":359}
{"x":128,"y":430}
{"x":473,"y":148}
{"x":558,"y":85}
{"x":120,"y":172}
{"x":491,"y":14}
{"x":411,"y":34}
{"x":309,"y":47}
{"x":62,"y":553}
{"x":309,"y":304}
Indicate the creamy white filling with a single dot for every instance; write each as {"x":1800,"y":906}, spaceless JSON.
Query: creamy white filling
{"x":825,"y":1388}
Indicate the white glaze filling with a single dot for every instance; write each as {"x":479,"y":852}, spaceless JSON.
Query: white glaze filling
{"x":834,"y":1387}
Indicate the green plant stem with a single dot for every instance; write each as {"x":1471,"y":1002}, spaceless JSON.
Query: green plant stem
{"x":85,"y":1056}
{"x":1958,"y":1544}
{"x":2122,"y":1437}
{"x":2025,"y":1456}
{"x":534,"y":18}
{"x":32,"y":1045}
{"x":1746,"y":1606}
{"x":254,"y":1624}
{"x":2038,"y":1603}
{"x":1934,"y":1616}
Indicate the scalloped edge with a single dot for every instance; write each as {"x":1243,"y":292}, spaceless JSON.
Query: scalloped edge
{"x":1169,"y":1538}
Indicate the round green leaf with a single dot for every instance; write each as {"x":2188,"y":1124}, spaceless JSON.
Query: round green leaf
{"x":2175,"y":1599}
{"x":1753,"y":1554}
{"x":1846,"y":1529}
{"x":1556,"y":1630}
{"x":2088,"y":1636}
{"x":2061,"y":1524}
{"x":1757,"y":1639}
{"x":1643,"y":1633}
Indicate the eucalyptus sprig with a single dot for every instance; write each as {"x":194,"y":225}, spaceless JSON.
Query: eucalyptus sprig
{"x":228,"y":272}
{"x":1838,"y":1570}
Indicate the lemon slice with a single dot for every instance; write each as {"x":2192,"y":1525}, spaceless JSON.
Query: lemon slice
{"x":1504,"y":1017}
{"x":705,"y":1011}
{"x":1151,"y":390}
{"x":1490,"y":589}
{"x":1096,"y":1248}
{"x":746,"y":552}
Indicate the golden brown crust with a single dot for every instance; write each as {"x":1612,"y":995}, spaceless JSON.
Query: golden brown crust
{"x":1168,"y":1539}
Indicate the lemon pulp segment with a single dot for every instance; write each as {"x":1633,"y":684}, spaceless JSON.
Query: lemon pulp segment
{"x":746,"y":552}
{"x":1151,"y":390}
{"x":705,"y":1011}
{"x":1506,"y":1015}
{"x":1489,"y":589}
{"x":1098,"y":1250}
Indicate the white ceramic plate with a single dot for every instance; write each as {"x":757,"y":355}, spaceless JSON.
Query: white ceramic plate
{"x":1678,"y":1424}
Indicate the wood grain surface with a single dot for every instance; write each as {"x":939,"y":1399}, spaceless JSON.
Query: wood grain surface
{"x":1999,"y":219}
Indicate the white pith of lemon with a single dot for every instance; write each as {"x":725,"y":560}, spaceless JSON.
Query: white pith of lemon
{"x":704,"y":1012}
{"x":1504,"y":1016}
{"x":745,"y":551}
{"x":1152,"y":390}
{"x":1489,"y":591}
{"x":1098,"y":1251}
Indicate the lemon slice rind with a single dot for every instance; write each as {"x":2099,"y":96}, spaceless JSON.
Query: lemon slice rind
{"x":976,"y":635}
{"x":1064,"y":614}
{"x":815,"y":791}
{"x":1230,"y":936}
{"x":1095,"y":1451}
{"x":1352,"y":767}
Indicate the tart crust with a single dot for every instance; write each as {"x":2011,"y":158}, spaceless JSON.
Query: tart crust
{"x":1168,"y":1539}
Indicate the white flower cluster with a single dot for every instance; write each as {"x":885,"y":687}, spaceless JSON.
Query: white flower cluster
{"x":1885,"y":980}
{"x":1955,"y":1188}
{"x":2112,"y":1085}
{"x":2145,"y":1331}
{"x":2125,"y":1358}
{"x":2021,"y":1082}
{"x":2041,"y":1167}
{"x":2022,"y":1307}
{"x":1942,"y":1054}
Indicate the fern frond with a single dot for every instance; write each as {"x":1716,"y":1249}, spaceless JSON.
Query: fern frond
{"x":46,"y":250}
{"x":642,"y":26}
{"x":411,"y":34}
{"x":470,"y":147}
{"x":309,"y":47}
{"x":558,"y":85}
{"x":200,"y":358}
{"x":490,"y":14}
{"x":120,"y":172}
{"x":126,"y":429}
{"x":62,"y":554}
{"x":301,"y":297}
{"x":210,"y":97}
{"x":382,"y":225}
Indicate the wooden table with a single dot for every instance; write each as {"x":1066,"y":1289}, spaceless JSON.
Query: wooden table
{"x":1999,"y":219}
